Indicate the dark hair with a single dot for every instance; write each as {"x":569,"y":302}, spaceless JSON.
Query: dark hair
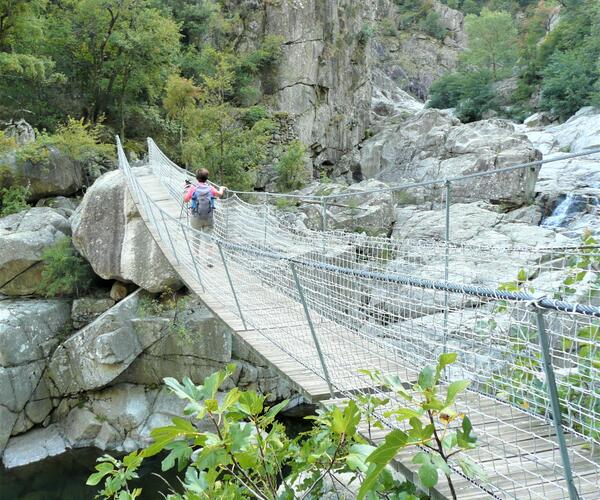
{"x":202,"y":175}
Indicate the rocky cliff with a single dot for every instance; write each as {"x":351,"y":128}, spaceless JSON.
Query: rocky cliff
{"x":340,"y":61}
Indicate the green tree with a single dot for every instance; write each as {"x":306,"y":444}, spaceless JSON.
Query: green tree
{"x":568,"y":82}
{"x":216,"y":135}
{"x":181,"y":98}
{"x":118,"y":51}
{"x":291,"y":172}
{"x":471,"y":93}
{"x":24,"y":68}
{"x":492,"y":42}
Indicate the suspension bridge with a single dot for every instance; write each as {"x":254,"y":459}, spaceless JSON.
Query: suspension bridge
{"x":322,"y":305}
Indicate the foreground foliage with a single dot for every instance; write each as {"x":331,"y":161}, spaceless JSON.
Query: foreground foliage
{"x":523,"y":381}
{"x":247,"y":453}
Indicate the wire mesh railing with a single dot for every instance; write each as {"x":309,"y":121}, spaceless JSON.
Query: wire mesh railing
{"x":519,"y":319}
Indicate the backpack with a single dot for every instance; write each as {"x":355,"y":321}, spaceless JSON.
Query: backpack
{"x":202,"y":202}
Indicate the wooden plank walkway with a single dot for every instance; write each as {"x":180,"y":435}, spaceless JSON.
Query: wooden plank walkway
{"x":276,"y":326}
{"x":518,"y":451}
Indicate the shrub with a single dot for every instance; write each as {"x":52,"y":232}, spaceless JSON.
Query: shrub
{"x":13,"y":199}
{"x":34,"y":152}
{"x":65,"y":271}
{"x":290,"y":169}
{"x":431,"y":25}
{"x":365,"y":34}
{"x":246,"y":453}
{"x":76,"y":139}
{"x":471,"y":93}
{"x":568,"y":82}
{"x":6,"y":143}
{"x":253,"y":115}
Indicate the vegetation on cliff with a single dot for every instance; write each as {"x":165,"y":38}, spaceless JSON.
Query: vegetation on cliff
{"x":549,"y":48}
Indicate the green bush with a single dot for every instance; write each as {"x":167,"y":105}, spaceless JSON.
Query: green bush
{"x":35,"y":152}
{"x":13,"y":199}
{"x":77,"y":140}
{"x":431,"y":25}
{"x":253,"y":115}
{"x":365,"y":34}
{"x":6,"y":143}
{"x":291,"y":173}
{"x":470,"y":93}
{"x":568,"y":82}
{"x":241,"y":450}
{"x":65,"y":273}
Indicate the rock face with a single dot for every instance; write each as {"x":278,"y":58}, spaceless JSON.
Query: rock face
{"x":389,"y":101}
{"x":322,"y":78}
{"x":578,"y":134}
{"x":569,"y":189}
{"x":413,"y":59}
{"x":29,"y":332}
{"x":109,"y":232}
{"x":357,"y":210}
{"x":100,"y":352}
{"x":97,"y":386}
{"x":58,"y":174}
{"x":87,"y":309}
{"x":20,"y":131}
{"x":435,"y":145}
{"x":23,"y":238}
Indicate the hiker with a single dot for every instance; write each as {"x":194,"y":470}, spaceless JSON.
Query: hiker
{"x":202,"y":196}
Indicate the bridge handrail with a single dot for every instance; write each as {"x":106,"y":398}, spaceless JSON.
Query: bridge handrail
{"x":174,"y":227}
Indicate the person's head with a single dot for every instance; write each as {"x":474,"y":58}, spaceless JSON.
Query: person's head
{"x":202,"y":175}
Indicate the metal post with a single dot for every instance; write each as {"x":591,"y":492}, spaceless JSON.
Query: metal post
{"x":265,"y":222}
{"x":312,"y":330}
{"x":162,"y":216}
{"x":446,"y":262}
{"x":323,"y":215}
{"x":150,"y":212}
{"x":554,"y":401}
{"x":237,"y":303}
{"x":187,"y":242}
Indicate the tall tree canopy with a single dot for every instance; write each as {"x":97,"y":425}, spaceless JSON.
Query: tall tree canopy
{"x":492,"y":42}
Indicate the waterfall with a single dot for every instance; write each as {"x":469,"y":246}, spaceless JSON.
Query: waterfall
{"x":565,"y":211}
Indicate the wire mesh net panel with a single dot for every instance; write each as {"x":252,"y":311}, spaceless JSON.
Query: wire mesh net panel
{"x":395,"y":305}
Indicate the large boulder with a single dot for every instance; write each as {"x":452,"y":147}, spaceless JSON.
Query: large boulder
{"x":100,"y":352}
{"x":355,"y":209}
{"x":29,"y":332}
{"x":109,"y":232}
{"x":579,"y":134}
{"x":34,"y":446}
{"x":55,"y":174}
{"x":195,"y":346}
{"x":23,"y":238}
{"x":20,"y":131}
{"x":434,"y":145}
{"x":475,"y":224}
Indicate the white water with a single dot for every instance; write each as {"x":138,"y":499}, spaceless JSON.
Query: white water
{"x":563,"y":212}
